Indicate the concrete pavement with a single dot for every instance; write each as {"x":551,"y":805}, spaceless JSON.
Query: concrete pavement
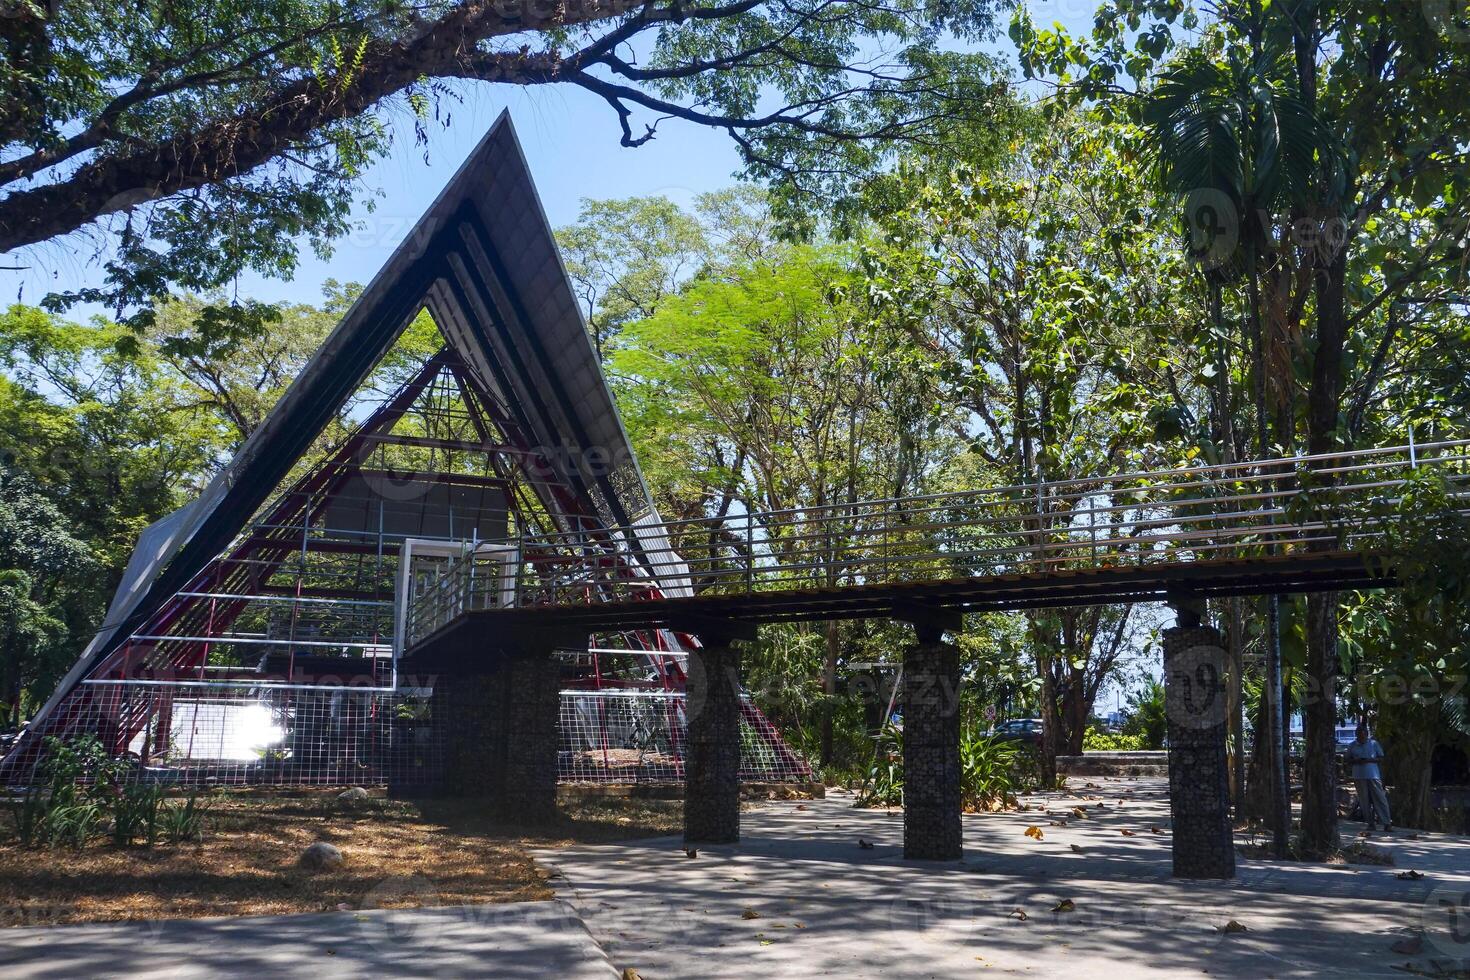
{"x":799,"y":897}
{"x":523,"y":941}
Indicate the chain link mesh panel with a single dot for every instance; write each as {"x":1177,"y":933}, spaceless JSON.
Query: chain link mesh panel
{"x":239,"y":734}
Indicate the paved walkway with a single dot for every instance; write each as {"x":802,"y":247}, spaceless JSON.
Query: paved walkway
{"x":525,"y":941}
{"x":799,"y":897}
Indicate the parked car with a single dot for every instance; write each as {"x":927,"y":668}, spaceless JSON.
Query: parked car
{"x":1019,"y":730}
{"x":1346,"y":735}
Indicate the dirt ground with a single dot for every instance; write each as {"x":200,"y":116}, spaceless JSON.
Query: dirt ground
{"x":398,"y":854}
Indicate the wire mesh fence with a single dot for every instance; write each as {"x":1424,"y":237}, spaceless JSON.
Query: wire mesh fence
{"x":637,"y":736}
{"x":207,"y":734}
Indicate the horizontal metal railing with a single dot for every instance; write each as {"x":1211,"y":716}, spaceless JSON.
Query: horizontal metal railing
{"x":1221,"y":511}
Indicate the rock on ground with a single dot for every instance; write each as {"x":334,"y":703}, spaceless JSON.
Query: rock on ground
{"x":321,"y":856}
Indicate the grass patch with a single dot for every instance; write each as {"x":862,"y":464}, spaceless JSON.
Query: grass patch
{"x":399,"y":855}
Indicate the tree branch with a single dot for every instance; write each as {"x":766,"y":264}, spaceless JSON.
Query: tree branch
{"x":228,"y":147}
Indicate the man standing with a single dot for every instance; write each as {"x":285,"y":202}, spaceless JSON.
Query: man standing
{"x":1365,"y":754}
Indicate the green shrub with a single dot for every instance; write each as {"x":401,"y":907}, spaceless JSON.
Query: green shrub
{"x":72,"y":824}
{"x":135,"y":814}
{"x":83,"y":788}
{"x":883,"y":785}
{"x":1147,"y":716}
{"x":70,"y":804}
{"x":992,"y":771}
{"x":183,"y":820}
{"x":1096,"y":741}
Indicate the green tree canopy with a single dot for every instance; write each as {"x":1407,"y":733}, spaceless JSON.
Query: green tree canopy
{"x":196,"y":142}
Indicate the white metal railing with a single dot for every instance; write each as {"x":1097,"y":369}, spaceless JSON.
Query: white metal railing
{"x":1224,"y":511}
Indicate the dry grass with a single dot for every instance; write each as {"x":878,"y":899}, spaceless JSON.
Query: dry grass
{"x":398,"y":854}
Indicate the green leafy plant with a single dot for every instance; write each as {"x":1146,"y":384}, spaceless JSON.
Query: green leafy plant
{"x":69,"y":806}
{"x":73,"y":824}
{"x":1147,"y":717}
{"x":883,"y":785}
{"x":85,"y":789}
{"x":135,"y":810}
{"x":28,"y":816}
{"x":1100,"y":741}
{"x":183,"y":820}
{"x":991,"y":771}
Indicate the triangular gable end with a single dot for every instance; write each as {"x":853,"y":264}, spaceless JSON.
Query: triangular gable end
{"x":240,"y":613}
{"x":484,"y":262}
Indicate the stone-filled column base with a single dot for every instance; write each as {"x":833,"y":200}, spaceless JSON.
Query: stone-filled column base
{"x":712,"y":746}
{"x":499,"y":733}
{"x":1199,"y":780}
{"x":931,"y":752}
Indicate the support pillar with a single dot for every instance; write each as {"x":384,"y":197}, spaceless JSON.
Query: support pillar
{"x":498,"y":728}
{"x":931,"y":748}
{"x":1196,"y":701}
{"x":532,"y":737}
{"x":712,"y":747}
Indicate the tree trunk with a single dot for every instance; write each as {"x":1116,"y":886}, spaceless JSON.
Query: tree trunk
{"x":829,"y":688}
{"x":1319,"y":761}
{"x":1409,"y":732}
{"x":1236,"y":652}
{"x":1260,"y":793}
{"x":1324,"y":405}
{"x":1275,"y":734}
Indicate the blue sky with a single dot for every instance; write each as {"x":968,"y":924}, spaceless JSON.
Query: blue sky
{"x":570,"y":138}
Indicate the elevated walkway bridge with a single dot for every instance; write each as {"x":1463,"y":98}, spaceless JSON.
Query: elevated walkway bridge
{"x":1319,"y":523}
{"x":1288,"y":525}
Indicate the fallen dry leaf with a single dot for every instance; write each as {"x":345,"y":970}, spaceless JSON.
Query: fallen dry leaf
{"x":1231,"y":927}
{"x":750,"y":914}
{"x":1065,"y":905}
{"x":865,"y":845}
{"x":631,"y":974}
{"x":1409,"y":875}
{"x":1079,"y":813}
{"x":1156,"y":830}
{"x":1077,"y":848}
{"x":1128,"y":833}
{"x":1034,"y":833}
{"x":1409,"y":946}
{"x":1057,"y":823}
{"x":1019,"y":914}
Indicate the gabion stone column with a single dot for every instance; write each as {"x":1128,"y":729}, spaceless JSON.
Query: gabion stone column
{"x":712,"y":746}
{"x":1199,"y":786}
{"x":499,"y":733}
{"x":532,"y":702}
{"x":931,"y":750}
{"x":466,"y":711}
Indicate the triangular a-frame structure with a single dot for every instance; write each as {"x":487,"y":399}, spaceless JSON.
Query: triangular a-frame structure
{"x":257,"y":631}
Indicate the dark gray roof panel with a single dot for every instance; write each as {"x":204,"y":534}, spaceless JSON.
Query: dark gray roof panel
{"x":541,"y":340}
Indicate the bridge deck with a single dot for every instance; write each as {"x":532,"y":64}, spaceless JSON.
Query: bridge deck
{"x":1266,"y":526}
{"x":1298,"y":573}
